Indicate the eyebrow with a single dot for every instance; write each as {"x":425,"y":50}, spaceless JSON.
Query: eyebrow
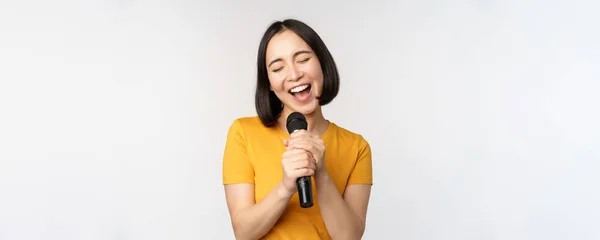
{"x":295,"y":54}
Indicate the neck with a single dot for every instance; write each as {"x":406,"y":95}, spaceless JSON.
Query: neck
{"x":316,"y":121}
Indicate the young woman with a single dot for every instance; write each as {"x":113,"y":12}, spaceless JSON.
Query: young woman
{"x":296,"y":73}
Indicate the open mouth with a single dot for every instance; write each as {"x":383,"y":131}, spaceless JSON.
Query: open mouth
{"x":301,"y":92}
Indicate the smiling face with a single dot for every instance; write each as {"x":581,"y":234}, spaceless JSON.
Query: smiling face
{"x":294,"y":72}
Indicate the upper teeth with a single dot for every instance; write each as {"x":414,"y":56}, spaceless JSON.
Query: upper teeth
{"x":299,"y":88}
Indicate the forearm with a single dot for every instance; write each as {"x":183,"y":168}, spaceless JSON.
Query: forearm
{"x":256,"y":221}
{"x":340,"y":220}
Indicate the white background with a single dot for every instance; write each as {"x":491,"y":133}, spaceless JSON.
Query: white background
{"x":482,"y":115}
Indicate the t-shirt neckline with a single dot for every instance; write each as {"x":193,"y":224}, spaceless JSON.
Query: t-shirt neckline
{"x":326,"y":133}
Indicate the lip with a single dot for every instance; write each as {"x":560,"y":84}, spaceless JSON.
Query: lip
{"x":290,"y":89}
{"x":307,"y":99}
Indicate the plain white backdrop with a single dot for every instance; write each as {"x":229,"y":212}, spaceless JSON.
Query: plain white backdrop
{"x":482,"y":114}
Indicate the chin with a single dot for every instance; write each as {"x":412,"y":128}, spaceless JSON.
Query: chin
{"x":306,"y":112}
{"x":306,"y":109}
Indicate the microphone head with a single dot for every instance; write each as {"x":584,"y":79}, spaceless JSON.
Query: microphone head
{"x":296,"y":121}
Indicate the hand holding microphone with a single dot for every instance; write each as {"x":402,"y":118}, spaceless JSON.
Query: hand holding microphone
{"x":309,"y":143}
{"x":298,"y":167}
{"x":304,"y":154}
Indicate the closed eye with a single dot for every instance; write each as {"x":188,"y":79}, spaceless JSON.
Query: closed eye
{"x":305,"y":60}
{"x":301,"y":61}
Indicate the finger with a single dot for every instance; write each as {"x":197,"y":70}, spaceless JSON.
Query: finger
{"x":304,"y":145}
{"x":294,"y":155}
{"x":313,"y":165}
{"x":292,"y":144}
{"x":303,"y":172}
{"x":291,"y":154}
{"x":309,"y":156}
{"x":300,"y":134}
{"x":312,"y":145}
{"x":304,"y":133}
{"x":310,"y":160}
{"x":308,"y":172}
{"x":307,"y":134}
{"x":307,"y":141}
{"x":315,"y":141}
{"x":304,"y":164}
{"x":318,"y":144}
{"x":302,"y":156}
{"x":307,"y":146}
{"x":300,"y":164}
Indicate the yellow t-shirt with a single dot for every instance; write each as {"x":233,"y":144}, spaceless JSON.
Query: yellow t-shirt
{"x":253,"y":155}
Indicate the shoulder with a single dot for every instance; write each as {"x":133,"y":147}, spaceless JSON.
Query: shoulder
{"x":246,"y":125}
{"x":246,"y":122}
{"x":350,"y":145}
{"x":345,"y":135}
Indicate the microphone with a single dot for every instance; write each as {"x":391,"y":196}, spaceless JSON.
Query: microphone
{"x":297,"y":121}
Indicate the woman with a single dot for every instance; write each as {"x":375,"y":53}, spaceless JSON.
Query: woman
{"x":261,"y":163}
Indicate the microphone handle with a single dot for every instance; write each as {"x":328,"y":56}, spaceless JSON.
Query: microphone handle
{"x":304,"y":185}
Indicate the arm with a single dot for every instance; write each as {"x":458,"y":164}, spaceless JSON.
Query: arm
{"x":344,"y":217}
{"x":253,"y":220}
{"x":250,"y":220}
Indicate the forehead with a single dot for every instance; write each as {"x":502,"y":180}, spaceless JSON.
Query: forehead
{"x":285,"y":43}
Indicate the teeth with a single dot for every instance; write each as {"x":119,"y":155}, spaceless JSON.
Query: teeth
{"x":299,"y":88}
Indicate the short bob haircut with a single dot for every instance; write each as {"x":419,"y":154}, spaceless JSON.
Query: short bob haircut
{"x":268,"y":106}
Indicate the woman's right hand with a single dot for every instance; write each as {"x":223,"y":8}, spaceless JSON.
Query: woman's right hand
{"x":296,"y":163}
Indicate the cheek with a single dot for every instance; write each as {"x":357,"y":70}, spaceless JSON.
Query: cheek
{"x":276,"y":85}
{"x":317,"y":76}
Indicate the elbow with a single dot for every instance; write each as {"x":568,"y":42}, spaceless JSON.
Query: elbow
{"x":239,"y":231}
{"x":360,"y":232}
{"x":357,"y":234}
{"x":361,"y":228}
{"x":242,"y":233}
{"x":241,"y":236}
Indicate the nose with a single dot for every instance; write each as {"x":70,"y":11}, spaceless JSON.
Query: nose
{"x":295,"y":73}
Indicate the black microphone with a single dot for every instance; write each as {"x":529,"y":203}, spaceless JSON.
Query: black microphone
{"x":297,"y":121}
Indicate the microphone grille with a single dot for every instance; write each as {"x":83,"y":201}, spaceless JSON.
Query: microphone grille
{"x":296,"y":121}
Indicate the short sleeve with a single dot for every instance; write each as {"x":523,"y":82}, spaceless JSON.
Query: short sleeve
{"x":363,"y":169}
{"x":237,"y":167}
